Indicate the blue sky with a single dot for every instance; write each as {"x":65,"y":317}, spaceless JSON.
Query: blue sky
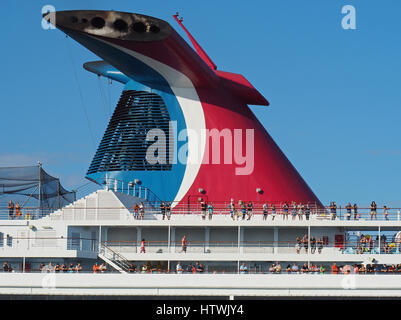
{"x":335,"y":94}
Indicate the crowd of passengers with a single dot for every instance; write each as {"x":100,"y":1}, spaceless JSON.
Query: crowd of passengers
{"x":198,"y":268}
{"x":366,"y":244}
{"x":7,"y":267}
{"x":303,"y":243}
{"x":62,"y":268}
{"x":276,"y":268}
{"x":245,"y":210}
{"x":242,"y":211}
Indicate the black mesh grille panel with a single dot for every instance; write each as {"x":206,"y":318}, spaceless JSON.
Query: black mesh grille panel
{"x":123,"y":146}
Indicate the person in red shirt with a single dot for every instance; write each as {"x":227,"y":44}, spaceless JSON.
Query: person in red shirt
{"x":142,"y":248}
{"x":334,"y":268}
{"x":95,"y":268}
{"x":184,"y":244}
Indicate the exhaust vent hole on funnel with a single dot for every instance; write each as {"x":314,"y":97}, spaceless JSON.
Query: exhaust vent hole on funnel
{"x":120,"y":25}
{"x":154,"y":29}
{"x":98,"y":22}
{"x":139,"y":27}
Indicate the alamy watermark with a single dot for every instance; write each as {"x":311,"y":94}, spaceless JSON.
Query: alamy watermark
{"x":349,"y":20}
{"x":226,"y":146}
{"x":50,"y":21}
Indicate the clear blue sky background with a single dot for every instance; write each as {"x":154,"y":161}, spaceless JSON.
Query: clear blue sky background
{"x":335,"y":94}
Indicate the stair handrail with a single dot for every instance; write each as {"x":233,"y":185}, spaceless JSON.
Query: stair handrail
{"x":121,"y":261}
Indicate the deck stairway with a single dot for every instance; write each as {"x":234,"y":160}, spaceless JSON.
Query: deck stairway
{"x":114,"y":259}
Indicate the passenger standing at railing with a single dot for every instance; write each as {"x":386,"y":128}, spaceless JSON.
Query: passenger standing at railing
{"x":373,"y":208}
{"x":298,"y":243}
{"x":265,"y":210}
{"x":273,"y":208}
{"x":243,"y":268}
{"x":203,"y":209}
{"x":312,"y":244}
{"x":95,"y":268}
{"x":300,"y":211}
{"x":210,"y":210}
{"x":17,"y":210}
{"x":294,"y":210}
{"x":168,"y":210}
{"x":184,"y":244}
{"x":272,"y":268}
{"x":322,"y":269}
{"x":307,"y":211}
{"x":179,"y":268}
{"x":305,"y":243}
{"x":142,"y":248}
{"x":349,"y":208}
{"x":250,"y":210}
{"x":334,"y":268}
{"x":136,"y":211}
{"x":131,"y":268}
{"x":189,"y":268}
{"x":278,"y":267}
{"x":243,"y":210}
{"x":163,"y":210}
{"x":199,"y":268}
{"x":295,"y":268}
{"x":355,"y":212}
{"x":233,"y":212}
{"x":333,"y":210}
{"x":319,"y":243}
{"x":385,"y":209}
{"x":102,"y":268}
{"x":7,"y":267}
{"x":285,"y":211}
{"x":11,"y":209}
{"x":78,"y":267}
{"x":141,"y":210}
{"x":304,"y":268}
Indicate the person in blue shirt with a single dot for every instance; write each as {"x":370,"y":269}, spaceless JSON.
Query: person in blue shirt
{"x":243,"y":269}
{"x":210,"y":209}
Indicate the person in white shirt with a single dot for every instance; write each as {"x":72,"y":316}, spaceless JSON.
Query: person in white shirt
{"x":295,"y":268}
{"x":179,"y":268}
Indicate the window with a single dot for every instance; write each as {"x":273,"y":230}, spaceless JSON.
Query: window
{"x":75,"y":241}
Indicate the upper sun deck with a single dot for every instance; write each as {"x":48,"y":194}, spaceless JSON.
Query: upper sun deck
{"x":106,"y":207}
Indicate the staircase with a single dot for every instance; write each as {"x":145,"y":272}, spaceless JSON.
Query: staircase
{"x":116,"y":260}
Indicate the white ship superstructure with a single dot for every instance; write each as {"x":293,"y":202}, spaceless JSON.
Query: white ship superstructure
{"x":102,"y":228}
